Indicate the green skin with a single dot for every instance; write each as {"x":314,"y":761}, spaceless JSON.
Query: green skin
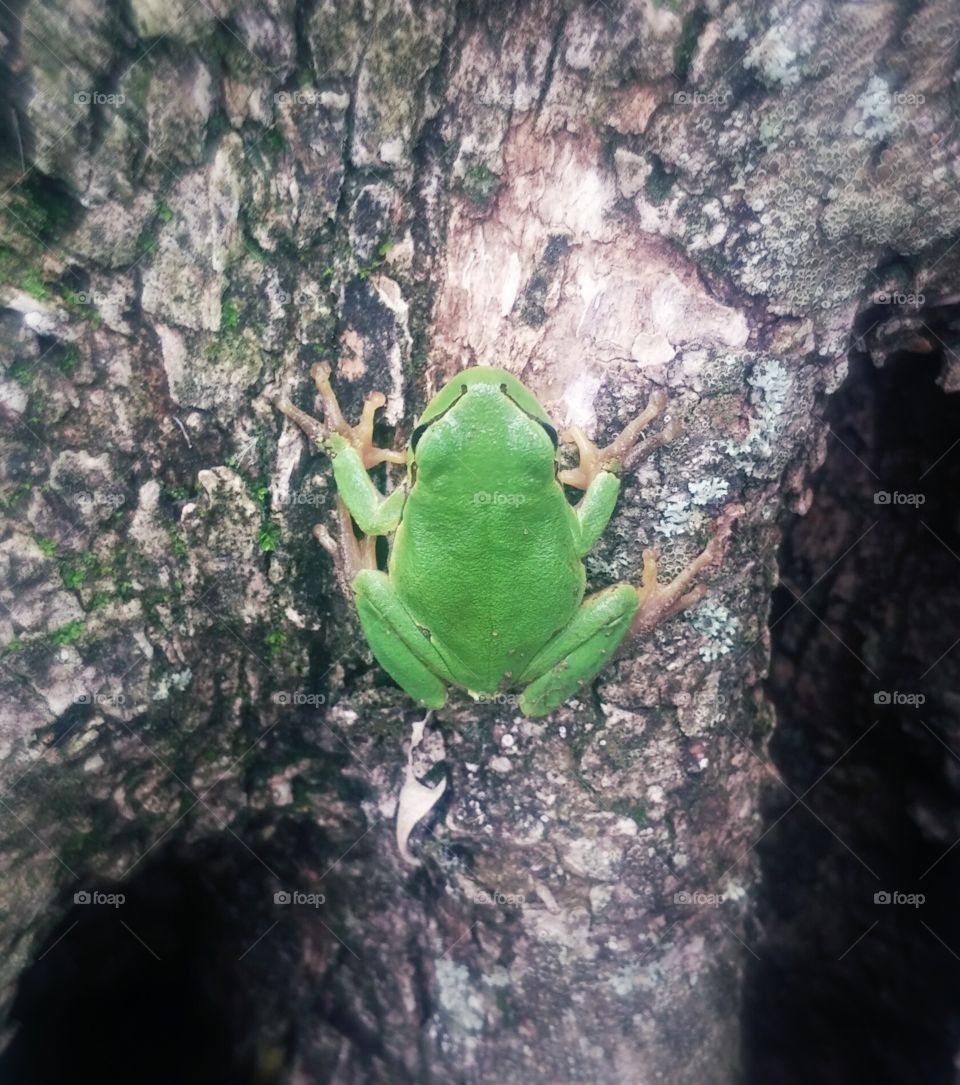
{"x":485,"y":583}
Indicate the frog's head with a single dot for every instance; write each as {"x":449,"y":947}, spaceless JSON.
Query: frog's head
{"x":484,"y":379}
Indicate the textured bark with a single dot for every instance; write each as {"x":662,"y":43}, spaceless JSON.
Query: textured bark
{"x":605,"y":199}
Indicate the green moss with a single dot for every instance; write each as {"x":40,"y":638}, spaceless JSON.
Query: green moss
{"x":125,"y":589}
{"x":480,"y":184}
{"x":81,"y":310}
{"x":229,"y":316}
{"x":686,"y":45}
{"x":375,"y":264}
{"x":48,"y":546}
{"x":268,"y":537}
{"x":8,"y":262}
{"x":180,"y":493}
{"x":275,"y":639}
{"x":77,"y":571}
{"x":626,"y":809}
{"x":68,"y":361}
{"x":147,"y":242}
{"x":273,"y":144}
{"x":40,"y":206}
{"x":17,"y":494}
{"x":38,"y":406}
{"x":32,"y":282}
{"x":21,"y":371}
{"x":254,"y":249}
{"x":69,"y":633}
{"x":178,"y":544}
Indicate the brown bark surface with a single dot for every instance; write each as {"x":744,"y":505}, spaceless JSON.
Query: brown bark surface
{"x":198,"y":203}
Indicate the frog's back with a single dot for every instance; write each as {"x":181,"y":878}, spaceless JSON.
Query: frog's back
{"x":484,"y":557}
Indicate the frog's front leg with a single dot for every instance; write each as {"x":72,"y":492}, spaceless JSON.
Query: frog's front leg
{"x":359,"y":436}
{"x":357,"y":497}
{"x":577,"y":653}
{"x":593,"y":460}
{"x":401,"y":646}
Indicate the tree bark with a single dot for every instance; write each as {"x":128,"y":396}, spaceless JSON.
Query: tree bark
{"x":608,"y":200}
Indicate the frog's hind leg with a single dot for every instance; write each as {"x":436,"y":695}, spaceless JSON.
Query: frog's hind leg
{"x":659,"y":601}
{"x":350,"y":554}
{"x":401,"y":647}
{"x":577,"y":653}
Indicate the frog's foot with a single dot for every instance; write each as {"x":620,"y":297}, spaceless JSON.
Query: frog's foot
{"x":359,"y":436}
{"x":659,"y":601}
{"x":577,"y":654}
{"x":593,"y":460}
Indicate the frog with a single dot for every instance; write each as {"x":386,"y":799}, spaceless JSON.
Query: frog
{"x":485,"y":587}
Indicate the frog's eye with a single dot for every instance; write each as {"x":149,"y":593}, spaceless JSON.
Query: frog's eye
{"x":551,"y":433}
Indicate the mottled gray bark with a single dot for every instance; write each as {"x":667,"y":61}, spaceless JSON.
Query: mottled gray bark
{"x":605,"y":199}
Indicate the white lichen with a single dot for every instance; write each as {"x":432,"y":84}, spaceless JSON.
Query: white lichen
{"x":460,"y":1001}
{"x":708,"y":490}
{"x":715,"y":622}
{"x":772,"y":385}
{"x":774,"y":58}
{"x":176,"y":680}
{"x":737,"y":29}
{"x":676,"y":516}
{"x":878,"y":117}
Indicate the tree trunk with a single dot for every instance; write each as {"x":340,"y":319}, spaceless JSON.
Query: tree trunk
{"x":201,"y":201}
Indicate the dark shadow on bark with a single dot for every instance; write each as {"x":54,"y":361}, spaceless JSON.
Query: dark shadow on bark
{"x":848,"y":987}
